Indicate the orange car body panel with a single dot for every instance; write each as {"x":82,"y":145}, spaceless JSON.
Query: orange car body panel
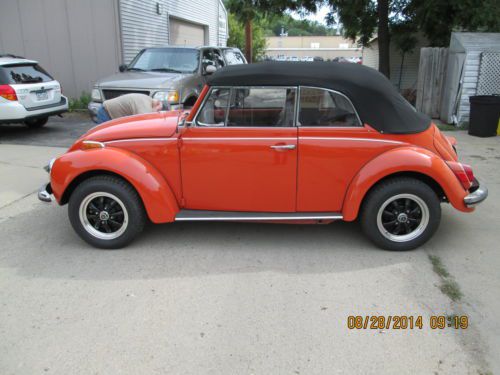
{"x":159,"y":201}
{"x":235,"y":169}
{"x":239,"y":169}
{"x":403,"y":159}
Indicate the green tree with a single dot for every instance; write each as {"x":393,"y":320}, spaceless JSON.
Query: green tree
{"x":246,"y":11}
{"x":400,"y":19}
{"x":237,"y":37}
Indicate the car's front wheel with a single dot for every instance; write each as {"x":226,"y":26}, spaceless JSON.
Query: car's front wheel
{"x":36,"y":123}
{"x":106,"y":212}
{"x":401,"y":214}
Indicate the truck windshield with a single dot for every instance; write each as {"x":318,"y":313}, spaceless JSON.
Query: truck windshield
{"x":175,"y":60}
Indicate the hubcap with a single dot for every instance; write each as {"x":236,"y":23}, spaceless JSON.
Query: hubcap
{"x":103,"y":215}
{"x":403,"y":217}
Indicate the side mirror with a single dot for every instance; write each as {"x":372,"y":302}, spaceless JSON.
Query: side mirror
{"x":122,"y":68}
{"x":210,"y":69}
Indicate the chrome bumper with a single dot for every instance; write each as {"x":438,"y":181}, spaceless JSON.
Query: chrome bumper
{"x":477,"y":196}
{"x":45,"y":192}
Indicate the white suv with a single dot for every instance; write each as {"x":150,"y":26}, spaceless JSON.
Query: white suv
{"x":28,"y":94}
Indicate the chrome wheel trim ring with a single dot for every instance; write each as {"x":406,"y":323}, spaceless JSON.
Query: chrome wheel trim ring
{"x":424,"y":221}
{"x":90,"y":228}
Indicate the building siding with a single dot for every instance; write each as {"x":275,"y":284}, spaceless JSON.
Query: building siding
{"x":472,"y":45}
{"x":410,"y":67}
{"x":65,"y":36}
{"x":469,"y":84}
{"x":142,"y":27}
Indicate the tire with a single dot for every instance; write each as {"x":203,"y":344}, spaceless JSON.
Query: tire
{"x":400,"y":214}
{"x":36,"y":123}
{"x":91,"y":203}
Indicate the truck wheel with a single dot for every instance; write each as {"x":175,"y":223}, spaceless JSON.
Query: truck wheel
{"x":36,"y":123}
{"x":401,"y":214}
{"x":106,"y":212}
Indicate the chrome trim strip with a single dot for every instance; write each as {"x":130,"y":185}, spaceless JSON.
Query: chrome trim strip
{"x":239,"y":139}
{"x":352,"y":139}
{"x":141,"y":140}
{"x":194,"y":215}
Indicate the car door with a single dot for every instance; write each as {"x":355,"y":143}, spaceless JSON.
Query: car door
{"x":333,"y":146}
{"x":240,"y":152}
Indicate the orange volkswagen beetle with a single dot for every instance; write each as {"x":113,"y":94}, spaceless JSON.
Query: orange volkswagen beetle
{"x":274,"y":142}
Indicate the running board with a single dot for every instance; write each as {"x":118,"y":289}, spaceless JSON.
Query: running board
{"x":199,"y":215}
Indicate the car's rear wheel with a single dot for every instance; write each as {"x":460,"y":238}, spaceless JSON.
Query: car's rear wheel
{"x":36,"y":123}
{"x":401,"y":214}
{"x":106,"y":212}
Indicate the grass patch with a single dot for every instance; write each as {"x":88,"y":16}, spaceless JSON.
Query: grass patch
{"x":80,"y":103}
{"x":448,"y":285}
{"x":438,"y":266}
{"x":447,"y":127}
{"x":451,"y":288}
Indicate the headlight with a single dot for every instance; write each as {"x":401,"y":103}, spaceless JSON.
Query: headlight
{"x":96,"y":95}
{"x":169,"y":96}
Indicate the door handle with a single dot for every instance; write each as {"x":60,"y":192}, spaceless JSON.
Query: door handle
{"x":283,"y":147}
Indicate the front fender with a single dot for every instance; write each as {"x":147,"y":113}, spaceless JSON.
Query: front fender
{"x":400,"y":160}
{"x":159,"y":201}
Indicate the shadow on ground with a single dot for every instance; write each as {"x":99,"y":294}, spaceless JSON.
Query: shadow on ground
{"x":43,"y":244}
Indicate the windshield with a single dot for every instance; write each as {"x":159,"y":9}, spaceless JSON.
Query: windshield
{"x":176,"y":60}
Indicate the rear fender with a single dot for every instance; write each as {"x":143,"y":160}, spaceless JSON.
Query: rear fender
{"x":159,"y":201}
{"x":401,"y":160}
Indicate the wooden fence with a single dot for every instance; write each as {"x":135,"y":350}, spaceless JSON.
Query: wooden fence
{"x":431,"y":79}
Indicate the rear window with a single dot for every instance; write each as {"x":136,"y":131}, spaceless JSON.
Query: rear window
{"x":23,"y":73}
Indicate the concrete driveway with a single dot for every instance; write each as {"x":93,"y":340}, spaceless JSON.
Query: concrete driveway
{"x":236,"y":298}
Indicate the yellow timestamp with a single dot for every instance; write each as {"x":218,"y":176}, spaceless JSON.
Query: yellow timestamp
{"x":407,"y":322}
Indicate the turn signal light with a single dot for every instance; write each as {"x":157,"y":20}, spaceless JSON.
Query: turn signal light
{"x":7,"y":92}
{"x":88,"y":145}
{"x":463,"y":172}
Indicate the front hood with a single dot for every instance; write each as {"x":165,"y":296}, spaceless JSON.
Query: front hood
{"x":150,"y":125}
{"x":141,"y":80}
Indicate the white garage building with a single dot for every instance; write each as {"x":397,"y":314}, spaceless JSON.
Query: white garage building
{"x":80,"y":41}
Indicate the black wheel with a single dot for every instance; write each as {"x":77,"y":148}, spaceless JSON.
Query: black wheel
{"x":106,"y":212}
{"x":36,"y":123}
{"x":401,"y":214}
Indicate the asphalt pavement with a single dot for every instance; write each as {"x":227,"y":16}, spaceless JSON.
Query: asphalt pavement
{"x":237,"y":298}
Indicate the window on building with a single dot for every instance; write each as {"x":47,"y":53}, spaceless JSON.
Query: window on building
{"x":321,"y":107}
{"x":314,"y":45}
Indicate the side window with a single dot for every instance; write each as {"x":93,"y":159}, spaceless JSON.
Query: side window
{"x":320,"y":107}
{"x":214,"y":110}
{"x":233,"y":57}
{"x":218,"y":59}
{"x":208,"y":58}
{"x":262,"y":106}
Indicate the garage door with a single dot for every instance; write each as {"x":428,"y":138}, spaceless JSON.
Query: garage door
{"x":184,"y":33}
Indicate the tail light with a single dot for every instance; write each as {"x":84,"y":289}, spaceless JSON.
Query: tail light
{"x":463,"y":172}
{"x":7,"y":92}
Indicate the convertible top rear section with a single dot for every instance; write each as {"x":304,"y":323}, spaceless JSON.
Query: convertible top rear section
{"x":377,"y":101}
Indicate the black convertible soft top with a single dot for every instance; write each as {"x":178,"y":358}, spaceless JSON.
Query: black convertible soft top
{"x":376,"y":100}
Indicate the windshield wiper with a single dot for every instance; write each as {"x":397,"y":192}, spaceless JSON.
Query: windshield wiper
{"x":168,"y":70}
{"x":137,"y":69}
